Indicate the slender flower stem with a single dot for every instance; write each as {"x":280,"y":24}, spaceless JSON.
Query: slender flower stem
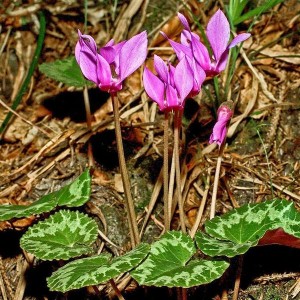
{"x":134,"y":233}
{"x":216,"y":182}
{"x":177,"y":123}
{"x":167,"y":213}
{"x":171,"y":204}
{"x":89,"y":123}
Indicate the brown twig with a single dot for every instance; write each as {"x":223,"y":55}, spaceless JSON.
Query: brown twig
{"x":238,"y":278}
{"x":116,"y":290}
{"x":202,"y":205}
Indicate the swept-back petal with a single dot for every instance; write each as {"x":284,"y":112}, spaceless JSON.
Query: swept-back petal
{"x":110,"y":43}
{"x":199,"y":77}
{"x":86,"y":56}
{"x":201,"y":54}
{"x":133,"y":54}
{"x":103,"y":73}
{"x":221,"y":64}
{"x":154,"y":87}
{"x":108,"y":53}
{"x":238,"y":39}
{"x":179,"y":49}
{"x":184,"y":21}
{"x":171,"y":75}
{"x":183,"y":78}
{"x":77,"y":52}
{"x":172,"y":99}
{"x":88,"y":41}
{"x":218,"y":33}
{"x":220,"y":129}
{"x":185,"y":38}
{"x":219,"y":133}
{"x":87,"y":62}
{"x":161,"y":68}
{"x":119,"y":46}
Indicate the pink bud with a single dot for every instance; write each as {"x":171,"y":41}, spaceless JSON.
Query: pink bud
{"x":220,"y":129}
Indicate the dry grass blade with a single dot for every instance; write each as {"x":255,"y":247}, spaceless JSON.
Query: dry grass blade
{"x":125,"y":19}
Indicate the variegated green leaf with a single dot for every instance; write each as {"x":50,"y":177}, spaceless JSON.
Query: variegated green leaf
{"x":95,"y":270}
{"x":72,"y":195}
{"x":77,"y":193}
{"x":65,"y":70}
{"x":238,"y":230}
{"x":44,"y":204}
{"x":169,"y":264}
{"x":63,"y":235}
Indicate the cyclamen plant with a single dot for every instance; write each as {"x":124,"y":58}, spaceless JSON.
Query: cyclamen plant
{"x":218,"y":35}
{"x":220,"y":129}
{"x":108,"y":68}
{"x":170,"y":87}
{"x":170,"y":261}
{"x":113,"y":63}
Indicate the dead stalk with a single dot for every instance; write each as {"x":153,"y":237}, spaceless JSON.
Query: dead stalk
{"x":238,"y":278}
{"x":116,"y":289}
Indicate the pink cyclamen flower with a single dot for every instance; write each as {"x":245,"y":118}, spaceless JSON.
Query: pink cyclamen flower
{"x":170,"y":87}
{"x":186,"y":52}
{"x":218,"y":36}
{"x":113,"y":63}
{"x":220,"y":129}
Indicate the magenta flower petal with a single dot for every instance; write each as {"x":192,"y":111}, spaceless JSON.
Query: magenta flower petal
{"x":133,"y":54}
{"x":77,"y":52}
{"x":86,"y":56}
{"x":183,"y":78}
{"x":87,"y":61}
{"x":238,"y":39}
{"x":108,"y":53}
{"x":218,"y":33}
{"x":116,"y":63}
{"x":219,"y":133}
{"x":199,"y":77}
{"x":119,"y":46}
{"x":184,"y":21}
{"x":221,"y":64}
{"x":172,"y":99}
{"x":201,"y":54}
{"x":220,"y":129}
{"x":88,"y":41}
{"x":110,"y":43}
{"x":161,"y":68}
{"x":171,"y":75}
{"x":154,"y":87}
{"x":103,"y":73}
{"x":179,"y":49}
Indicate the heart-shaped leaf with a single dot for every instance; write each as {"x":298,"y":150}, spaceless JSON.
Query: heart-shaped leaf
{"x":77,"y":193}
{"x":65,"y":70}
{"x":95,"y":270}
{"x":235,"y":232}
{"x":72,"y":195}
{"x":63,"y":235}
{"x":169,"y":264}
